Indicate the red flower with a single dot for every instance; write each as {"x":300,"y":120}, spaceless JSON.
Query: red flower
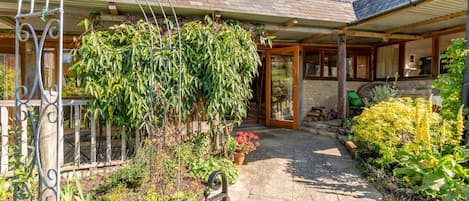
{"x":246,"y":141}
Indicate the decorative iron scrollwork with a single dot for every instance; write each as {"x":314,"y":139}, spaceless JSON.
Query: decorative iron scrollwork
{"x":50,"y":109}
{"x":217,"y":180}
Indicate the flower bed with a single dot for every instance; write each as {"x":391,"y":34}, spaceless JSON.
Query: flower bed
{"x":413,"y":152}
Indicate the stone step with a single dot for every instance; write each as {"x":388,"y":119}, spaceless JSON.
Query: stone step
{"x":319,"y":131}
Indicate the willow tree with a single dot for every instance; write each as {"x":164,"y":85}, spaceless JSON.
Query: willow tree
{"x":133,"y":72}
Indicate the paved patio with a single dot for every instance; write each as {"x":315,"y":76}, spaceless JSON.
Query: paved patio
{"x":295,"y":165}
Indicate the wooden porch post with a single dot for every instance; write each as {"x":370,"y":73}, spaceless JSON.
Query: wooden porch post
{"x":342,"y":77}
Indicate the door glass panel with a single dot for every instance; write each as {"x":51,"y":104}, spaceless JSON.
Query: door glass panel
{"x":7,"y":76}
{"x":281,"y":107}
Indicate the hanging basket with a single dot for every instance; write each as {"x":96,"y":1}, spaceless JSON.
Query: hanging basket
{"x":239,"y":158}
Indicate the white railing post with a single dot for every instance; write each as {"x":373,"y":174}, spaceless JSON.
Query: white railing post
{"x":108,"y":142}
{"x":77,"y":134}
{"x":123,"y":145}
{"x":4,"y":126}
{"x":24,"y":134}
{"x":93,"y":139}
{"x":137,"y":140}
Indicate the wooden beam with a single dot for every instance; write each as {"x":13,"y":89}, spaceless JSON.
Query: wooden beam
{"x":342,"y":77}
{"x":426,"y":22}
{"x":326,"y":31}
{"x":8,"y":21}
{"x":381,"y":35}
{"x":402,"y":56}
{"x":455,"y":29}
{"x":113,"y":18}
{"x":313,"y":39}
{"x":299,"y":29}
{"x":435,"y":56}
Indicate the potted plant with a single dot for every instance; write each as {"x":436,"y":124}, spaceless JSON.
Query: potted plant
{"x":246,"y":142}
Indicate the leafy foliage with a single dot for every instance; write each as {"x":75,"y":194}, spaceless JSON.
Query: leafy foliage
{"x":400,"y":123}
{"x":74,"y":192}
{"x":224,"y":59}
{"x":7,"y":82}
{"x":153,"y":196}
{"x":406,"y":138}
{"x":382,"y":93}
{"x":199,"y":162}
{"x":5,"y":193}
{"x":450,"y":83}
{"x":435,"y":175}
{"x":133,"y":74}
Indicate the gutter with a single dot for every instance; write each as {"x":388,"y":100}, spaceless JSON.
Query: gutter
{"x":389,"y":10}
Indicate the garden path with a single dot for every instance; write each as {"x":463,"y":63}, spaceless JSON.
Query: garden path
{"x":295,"y":165}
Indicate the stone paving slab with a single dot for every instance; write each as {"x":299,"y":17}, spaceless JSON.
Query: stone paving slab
{"x":295,"y":165}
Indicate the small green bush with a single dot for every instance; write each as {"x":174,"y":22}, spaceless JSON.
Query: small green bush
{"x":202,"y":168}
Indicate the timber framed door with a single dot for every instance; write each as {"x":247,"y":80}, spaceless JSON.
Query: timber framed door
{"x":282,"y":87}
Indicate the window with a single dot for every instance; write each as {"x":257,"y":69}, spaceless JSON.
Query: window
{"x":323,"y":64}
{"x":312,"y":62}
{"x":330,"y":65}
{"x":445,"y":41}
{"x":387,"y":61}
{"x":362,"y":67}
{"x":418,"y":58}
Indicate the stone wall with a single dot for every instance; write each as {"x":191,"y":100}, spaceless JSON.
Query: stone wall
{"x":324,"y":92}
{"x":415,"y":88}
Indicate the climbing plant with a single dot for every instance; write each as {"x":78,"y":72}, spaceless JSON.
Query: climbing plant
{"x":450,"y":83}
{"x":133,"y":73}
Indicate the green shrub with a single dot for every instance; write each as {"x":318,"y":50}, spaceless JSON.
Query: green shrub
{"x":153,"y":196}
{"x":195,"y":156}
{"x":436,"y":176}
{"x":5,"y":191}
{"x":402,"y":123}
{"x":131,"y":175}
{"x":201,"y":168}
{"x":118,"y":193}
{"x":450,"y":83}
{"x":382,"y":93}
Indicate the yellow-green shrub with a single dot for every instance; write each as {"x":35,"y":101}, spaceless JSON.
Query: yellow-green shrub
{"x":403,"y":124}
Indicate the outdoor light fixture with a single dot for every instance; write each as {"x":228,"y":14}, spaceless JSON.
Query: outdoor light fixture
{"x":113,"y":8}
{"x":291,"y":22}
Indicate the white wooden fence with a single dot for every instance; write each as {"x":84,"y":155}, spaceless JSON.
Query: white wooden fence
{"x":87,"y":144}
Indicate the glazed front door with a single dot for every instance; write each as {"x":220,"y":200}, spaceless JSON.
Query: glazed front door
{"x":282,"y":87}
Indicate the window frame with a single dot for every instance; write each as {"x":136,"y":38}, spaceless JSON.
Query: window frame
{"x":354,"y":53}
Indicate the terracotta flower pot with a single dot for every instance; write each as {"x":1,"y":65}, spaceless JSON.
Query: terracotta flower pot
{"x":239,"y":158}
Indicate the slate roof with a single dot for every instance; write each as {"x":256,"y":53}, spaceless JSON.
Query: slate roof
{"x":322,"y":10}
{"x":367,"y":8}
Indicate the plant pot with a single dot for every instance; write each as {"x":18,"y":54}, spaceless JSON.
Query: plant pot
{"x":239,"y":158}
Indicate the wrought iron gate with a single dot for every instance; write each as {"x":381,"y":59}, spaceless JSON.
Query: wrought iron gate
{"x":36,"y":22}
